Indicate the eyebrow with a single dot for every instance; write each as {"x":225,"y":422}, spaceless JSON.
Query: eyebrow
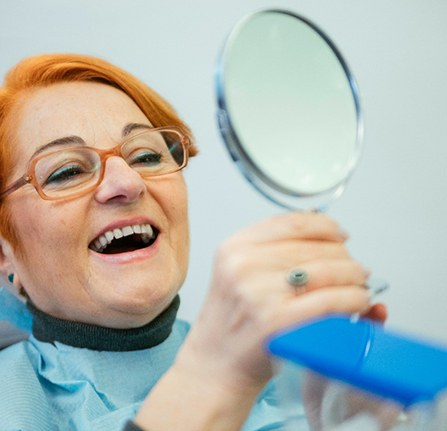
{"x":67,"y":140}
{"x":70,"y":140}
{"x":129,"y":128}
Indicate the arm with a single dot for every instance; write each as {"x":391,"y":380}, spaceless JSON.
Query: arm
{"x":222,"y":366}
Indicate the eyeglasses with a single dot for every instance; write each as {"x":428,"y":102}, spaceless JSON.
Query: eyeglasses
{"x":76,"y":171}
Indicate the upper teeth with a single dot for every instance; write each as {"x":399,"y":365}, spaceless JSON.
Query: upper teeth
{"x":106,"y":238}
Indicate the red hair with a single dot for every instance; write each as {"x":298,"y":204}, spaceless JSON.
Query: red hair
{"x":43,"y":70}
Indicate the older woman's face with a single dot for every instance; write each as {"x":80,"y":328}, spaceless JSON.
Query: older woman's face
{"x":58,"y":266}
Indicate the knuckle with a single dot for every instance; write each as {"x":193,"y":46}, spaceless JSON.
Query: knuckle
{"x":231,"y":261}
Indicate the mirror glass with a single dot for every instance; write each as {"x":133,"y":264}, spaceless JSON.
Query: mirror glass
{"x":288,"y":109}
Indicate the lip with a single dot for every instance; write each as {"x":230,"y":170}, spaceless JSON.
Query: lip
{"x":118,"y":224}
{"x":130,"y":256}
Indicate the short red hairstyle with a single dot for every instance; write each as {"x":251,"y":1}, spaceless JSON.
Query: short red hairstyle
{"x":44,"y":70}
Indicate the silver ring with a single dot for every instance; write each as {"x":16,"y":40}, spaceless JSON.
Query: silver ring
{"x":297,"y":277}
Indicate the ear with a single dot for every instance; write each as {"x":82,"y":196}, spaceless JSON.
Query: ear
{"x":6,"y":258}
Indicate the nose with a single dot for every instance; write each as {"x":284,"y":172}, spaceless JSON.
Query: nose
{"x":121,"y":183}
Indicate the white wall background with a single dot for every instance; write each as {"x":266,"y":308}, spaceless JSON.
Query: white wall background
{"x":395,"y":206}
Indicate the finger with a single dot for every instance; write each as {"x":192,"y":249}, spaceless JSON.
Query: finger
{"x":272,"y":287}
{"x":290,"y":253}
{"x":333,"y":273}
{"x":322,"y":302}
{"x":294,"y":225}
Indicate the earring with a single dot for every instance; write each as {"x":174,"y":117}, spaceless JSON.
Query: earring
{"x":11,"y":278}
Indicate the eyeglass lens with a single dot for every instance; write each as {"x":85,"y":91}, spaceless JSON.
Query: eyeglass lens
{"x":70,"y":171}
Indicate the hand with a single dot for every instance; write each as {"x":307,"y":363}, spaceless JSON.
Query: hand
{"x":222,"y":366}
{"x":250,"y":298}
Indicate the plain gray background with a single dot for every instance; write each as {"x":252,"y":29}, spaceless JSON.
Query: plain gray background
{"x":394,"y":207}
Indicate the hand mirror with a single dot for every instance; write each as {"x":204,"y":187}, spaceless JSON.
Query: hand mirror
{"x":289,"y":111}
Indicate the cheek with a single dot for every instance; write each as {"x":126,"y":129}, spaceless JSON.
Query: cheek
{"x":180,"y":242}
{"x":174,"y":202}
{"x":180,"y":210}
{"x":178,"y":219}
{"x":27,"y":223}
{"x":43,"y":229}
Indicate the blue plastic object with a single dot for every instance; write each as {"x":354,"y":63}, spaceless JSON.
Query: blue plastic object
{"x":365,"y":355}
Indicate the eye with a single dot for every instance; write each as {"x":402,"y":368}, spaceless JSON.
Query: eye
{"x":67,"y":168}
{"x":146,"y":159}
{"x":64,"y":174}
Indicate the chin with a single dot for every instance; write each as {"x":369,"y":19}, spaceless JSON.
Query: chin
{"x":141,"y":302}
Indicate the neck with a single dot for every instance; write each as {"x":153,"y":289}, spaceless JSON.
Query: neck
{"x":78,"y":334}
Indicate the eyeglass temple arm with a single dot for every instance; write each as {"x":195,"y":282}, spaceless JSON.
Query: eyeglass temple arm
{"x":14,"y":186}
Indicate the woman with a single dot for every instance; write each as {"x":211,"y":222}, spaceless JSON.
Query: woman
{"x":94,"y":234}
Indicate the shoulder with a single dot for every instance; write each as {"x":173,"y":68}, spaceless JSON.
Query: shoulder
{"x":22,"y":394}
{"x":18,"y":367}
{"x":15,"y":356}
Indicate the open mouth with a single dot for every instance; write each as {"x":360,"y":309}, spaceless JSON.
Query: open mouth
{"x":125,"y":239}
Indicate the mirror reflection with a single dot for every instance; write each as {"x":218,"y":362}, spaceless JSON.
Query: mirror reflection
{"x":288,"y":109}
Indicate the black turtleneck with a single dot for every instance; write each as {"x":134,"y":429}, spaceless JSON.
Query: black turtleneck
{"x":77,"y":334}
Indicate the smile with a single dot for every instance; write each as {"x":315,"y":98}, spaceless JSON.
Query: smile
{"x":125,"y":239}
